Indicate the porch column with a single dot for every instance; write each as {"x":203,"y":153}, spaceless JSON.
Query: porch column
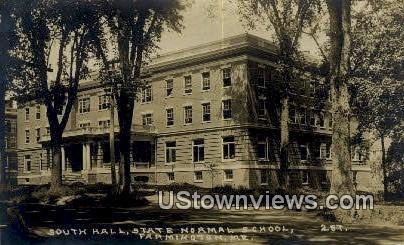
{"x":88,"y":151}
{"x":84,"y":157}
{"x":63,"y":159}
{"x":99,"y":155}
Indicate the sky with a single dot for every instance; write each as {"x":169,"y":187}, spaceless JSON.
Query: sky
{"x":200,"y":27}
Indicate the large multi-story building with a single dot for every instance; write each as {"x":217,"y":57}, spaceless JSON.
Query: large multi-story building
{"x":204,"y":118}
{"x":11,"y":141}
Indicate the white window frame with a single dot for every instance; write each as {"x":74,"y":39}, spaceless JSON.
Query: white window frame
{"x":84,"y":105}
{"x":226,"y":74}
{"x":38,"y":112}
{"x":320,"y":115}
{"x":169,"y":119}
{"x":226,"y":174}
{"x":188,"y":114}
{"x":305,"y":177}
{"x":27,"y":113}
{"x":307,"y":153}
{"x":103,"y":102}
{"x":302,"y":115}
{"x":226,"y":107}
{"x":104,"y":123}
{"x":171,"y":88}
{"x":147,"y":94}
{"x":188,"y":84}
{"x":205,"y":81}
{"x":228,"y":146}
{"x":196,"y":179}
{"x":206,"y":110}
{"x":27,"y":158}
{"x":199,"y":146}
{"x":85,"y":124}
{"x":38,"y":134}
{"x":328,"y":155}
{"x":266,"y":143}
{"x":170,"y":150}
{"x":147,"y":119}
{"x":264,"y":109}
{"x":27,"y":136}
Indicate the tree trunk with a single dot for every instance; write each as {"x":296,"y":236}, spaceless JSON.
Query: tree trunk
{"x":125,"y":115}
{"x":56,"y":179}
{"x":3,"y":158}
{"x":340,"y":48}
{"x":112,"y":141}
{"x":384,"y":168}
{"x":284,"y":126}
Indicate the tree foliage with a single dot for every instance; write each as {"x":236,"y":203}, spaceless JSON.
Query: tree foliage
{"x":55,"y":40}
{"x":129,"y":33}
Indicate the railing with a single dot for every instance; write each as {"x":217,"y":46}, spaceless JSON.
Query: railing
{"x":100,"y":131}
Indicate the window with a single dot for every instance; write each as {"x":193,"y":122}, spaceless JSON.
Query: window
{"x":104,"y":123}
{"x":27,"y":114}
{"x":142,"y":151}
{"x":38,"y":134}
{"x":226,"y":77}
{"x":226,"y":109}
{"x":320,"y":122}
{"x":205,"y":81}
{"x":171,"y":176}
{"x":228,"y":147}
{"x":304,"y":152}
{"x":147,"y":119}
{"x":27,"y":163}
{"x":147,"y":94}
{"x":312,"y":119}
{"x":47,"y":130}
{"x":206,"y":112}
{"x":198,"y":150}
{"x":84,"y":125}
{"x":261,"y":77}
{"x":262,"y":110}
{"x":302,"y":116}
{"x":38,"y":112}
{"x":170,"y":152}
{"x":170,"y":116}
{"x":198,"y":176}
{"x":103,"y":102}
{"x":263,"y":148}
{"x":169,"y":87}
{"x":228,"y":174}
{"x":357,"y":154}
{"x":84,"y":105}
{"x":264,"y":176}
{"x":188,"y":114}
{"x":305,"y":177}
{"x":27,"y":135}
{"x":325,"y":151}
{"x":293,"y":117}
{"x":187,"y":84}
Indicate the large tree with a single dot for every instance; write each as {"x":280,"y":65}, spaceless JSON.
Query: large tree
{"x":377,"y":71}
{"x":8,"y":41}
{"x":287,"y":19}
{"x":56,"y":33}
{"x":131,"y":30}
{"x":339,"y":70}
